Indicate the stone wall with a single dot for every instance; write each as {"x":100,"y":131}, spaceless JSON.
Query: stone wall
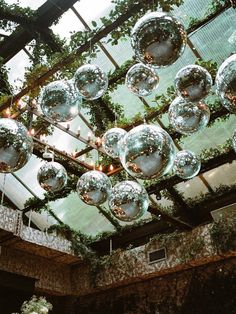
{"x":208,"y":289}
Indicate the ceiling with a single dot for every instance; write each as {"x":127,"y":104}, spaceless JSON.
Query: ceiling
{"x":214,"y":39}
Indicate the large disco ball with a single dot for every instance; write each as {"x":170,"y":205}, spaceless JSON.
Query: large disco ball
{"x":226,"y":83}
{"x":111,"y":140}
{"x":16,"y":146}
{"x":90,"y":81}
{"x":94,"y":187}
{"x":234,"y":140}
{"x":147,"y":152}
{"x":141,"y":80}
{"x":52,"y":176}
{"x":193,"y":83}
{"x":158,"y":39}
{"x":128,"y":200}
{"x":59,"y":101}
{"x":186,"y":164}
{"x":188,"y":117}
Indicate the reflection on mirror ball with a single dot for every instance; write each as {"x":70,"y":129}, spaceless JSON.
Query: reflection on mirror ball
{"x":158,"y":39}
{"x":128,"y":200}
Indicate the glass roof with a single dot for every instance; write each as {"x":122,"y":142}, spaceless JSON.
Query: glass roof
{"x":207,"y":41}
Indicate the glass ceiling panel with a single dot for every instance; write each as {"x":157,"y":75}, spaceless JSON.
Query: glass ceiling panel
{"x":17,"y":67}
{"x":33,"y":4}
{"x":191,"y":188}
{"x":91,"y":10}
{"x":209,"y":39}
{"x":14,"y":190}
{"x":223,"y":175}
{"x":80,"y":216}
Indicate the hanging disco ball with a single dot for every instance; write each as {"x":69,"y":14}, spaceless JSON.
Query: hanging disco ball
{"x":226,"y":83}
{"x":90,"y":81}
{"x":141,"y":80}
{"x":111,"y":140}
{"x":147,"y":152}
{"x":52,"y":176}
{"x":234,"y":140}
{"x":188,"y":117}
{"x":128,"y":201}
{"x":193,"y":83}
{"x":186,"y":164}
{"x":158,"y":39}
{"x":16,"y":145}
{"x":94,"y":187}
{"x":59,"y":101}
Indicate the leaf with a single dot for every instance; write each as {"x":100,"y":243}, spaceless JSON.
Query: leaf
{"x":94,"y":24}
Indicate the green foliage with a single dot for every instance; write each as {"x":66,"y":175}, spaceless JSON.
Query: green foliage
{"x":223,"y":232}
{"x":35,"y":305}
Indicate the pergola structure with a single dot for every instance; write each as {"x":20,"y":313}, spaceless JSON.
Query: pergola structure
{"x":186,"y":216}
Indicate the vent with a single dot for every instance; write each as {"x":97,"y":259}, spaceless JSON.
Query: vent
{"x":156,"y":256}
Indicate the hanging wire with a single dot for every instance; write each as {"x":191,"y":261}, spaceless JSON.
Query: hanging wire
{"x":3,"y":189}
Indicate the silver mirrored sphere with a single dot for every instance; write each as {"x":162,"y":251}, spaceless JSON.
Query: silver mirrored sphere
{"x":59,"y":101}
{"x":234,"y":140}
{"x":158,"y":39}
{"x":226,"y":83}
{"x":188,"y":117}
{"x":16,"y":145}
{"x":90,"y":81}
{"x":186,"y":165}
{"x":110,"y":141}
{"x":141,"y":80}
{"x":128,"y":200}
{"x":52,"y":176}
{"x":193,"y":83}
{"x":94,"y":187}
{"x":147,"y":152}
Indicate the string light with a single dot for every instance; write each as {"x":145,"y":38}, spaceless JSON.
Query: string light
{"x":111,"y":168}
{"x":78,"y":131}
{"x":73,"y":154}
{"x":98,"y":141}
{"x":32,"y":132}
{"x":68,"y":126}
{"x":8,"y":112}
{"x":100,"y":168}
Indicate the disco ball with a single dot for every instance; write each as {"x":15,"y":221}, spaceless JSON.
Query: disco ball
{"x":59,"y":101}
{"x":90,"y":81}
{"x":234,"y":140}
{"x":141,"y":80}
{"x":186,"y":164}
{"x":158,"y":39}
{"x":193,"y":83}
{"x":226,"y":83}
{"x":94,"y":187}
{"x":52,"y":176}
{"x":188,"y":117}
{"x":128,"y":200}
{"x":147,"y":152}
{"x":16,"y":146}
{"x":111,"y":140}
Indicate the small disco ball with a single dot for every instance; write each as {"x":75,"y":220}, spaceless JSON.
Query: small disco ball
{"x":226,"y":83}
{"x":158,"y":39}
{"x":141,"y":80}
{"x":188,"y":117}
{"x":52,"y":176}
{"x":16,"y":145}
{"x":110,"y":141}
{"x":186,"y":164}
{"x":90,"y":81}
{"x":147,"y":152}
{"x":59,"y":101}
{"x":234,"y":140}
{"x":128,"y":201}
{"x":193,"y":83}
{"x":94,"y":187}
